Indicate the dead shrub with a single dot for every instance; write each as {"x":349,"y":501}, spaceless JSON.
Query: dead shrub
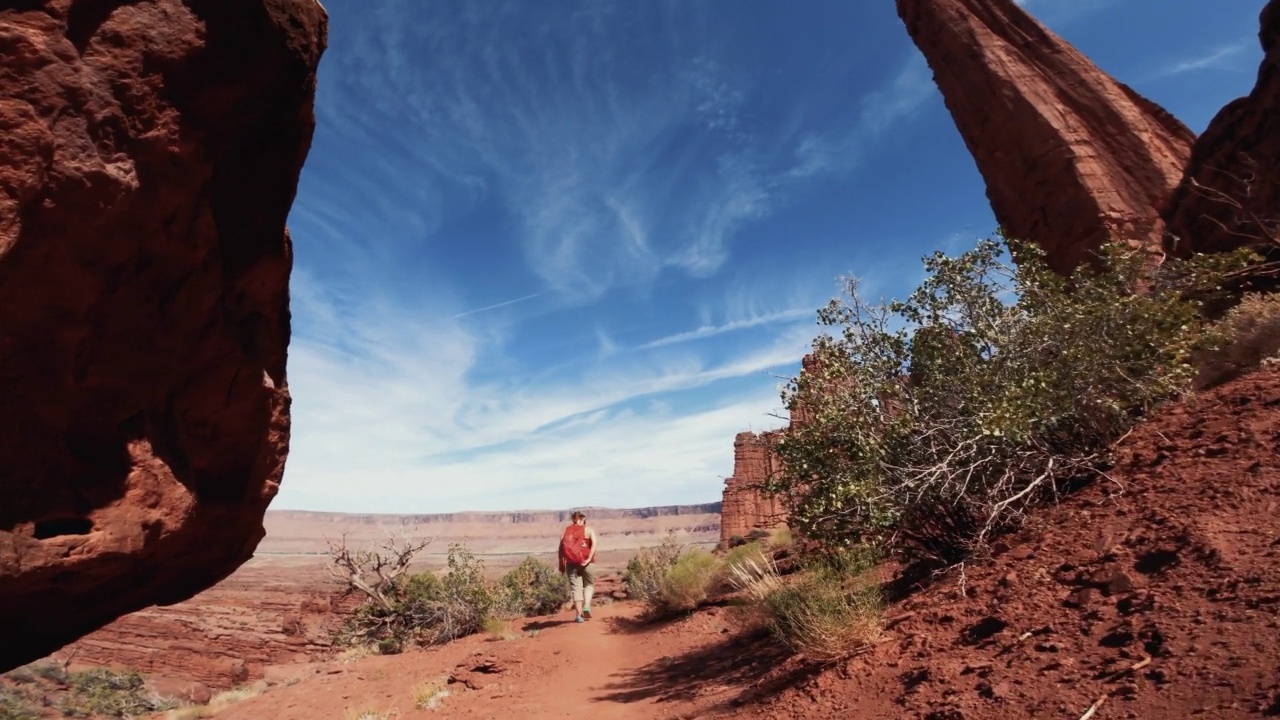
{"x":1250,"y":336}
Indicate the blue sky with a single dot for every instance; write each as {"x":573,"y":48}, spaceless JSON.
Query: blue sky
{"x":552,"y":254}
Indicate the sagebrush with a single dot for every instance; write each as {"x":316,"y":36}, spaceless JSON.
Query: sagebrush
{"x":1250,"y":336}
{"x":645,"y":571}
{"x":935,"y":420}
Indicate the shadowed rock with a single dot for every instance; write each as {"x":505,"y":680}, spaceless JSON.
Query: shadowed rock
{"x":149,"y":154}
{"x":1237,"y":161}
{"x":1072,"y":158}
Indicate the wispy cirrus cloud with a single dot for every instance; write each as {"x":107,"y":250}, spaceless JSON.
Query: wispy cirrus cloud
{"x":1220,"y":57}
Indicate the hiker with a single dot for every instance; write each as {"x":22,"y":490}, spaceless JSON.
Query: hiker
{"x":577,"y":552}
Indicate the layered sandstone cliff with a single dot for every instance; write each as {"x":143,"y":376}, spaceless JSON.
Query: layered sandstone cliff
{"x":149,"y":154}
{"x":1230,"y":194}
{"x":1071,"y":157}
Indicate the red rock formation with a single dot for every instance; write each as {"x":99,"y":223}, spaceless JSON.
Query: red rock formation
{"x":149,"y":154}
{"x":259,"y":617}
{"x":745,"y":507}
{"x":1071,"y":157}
{"x":1237,"y":160}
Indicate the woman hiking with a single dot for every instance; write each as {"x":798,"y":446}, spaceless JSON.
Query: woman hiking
{"x":577,"y":552}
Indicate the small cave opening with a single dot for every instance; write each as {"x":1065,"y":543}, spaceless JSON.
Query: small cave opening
{"x":58,"y":527}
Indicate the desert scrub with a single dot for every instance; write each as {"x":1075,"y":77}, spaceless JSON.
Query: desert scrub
{"x":17,"y":704}
{"x":107,"y":693}
{"x":1250,"y":336}
{"x":686,"y":583}
{"x":428,"y":695}
{"x":645,"y":572}
{"x":532,"y":588}
{"x":424,"y":609}
{"x":936,"y":420}
{"x":831,"y":608}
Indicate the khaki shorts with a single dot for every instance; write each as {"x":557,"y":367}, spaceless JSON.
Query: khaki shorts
{"x":579,"y":575}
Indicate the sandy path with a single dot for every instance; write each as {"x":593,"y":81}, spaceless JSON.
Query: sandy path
{"x":609,"y":667}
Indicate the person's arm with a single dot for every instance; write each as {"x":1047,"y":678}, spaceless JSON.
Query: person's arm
{"x":591,"y":533}
{"x":560,"y":557}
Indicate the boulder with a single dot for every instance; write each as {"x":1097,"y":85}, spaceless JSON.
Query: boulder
{"x":149,"y":155}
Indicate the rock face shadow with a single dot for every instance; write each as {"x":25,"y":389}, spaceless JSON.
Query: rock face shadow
{"x":752,"y":665}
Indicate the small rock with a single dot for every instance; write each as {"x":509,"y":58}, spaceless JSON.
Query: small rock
{"x":1082,"y":597}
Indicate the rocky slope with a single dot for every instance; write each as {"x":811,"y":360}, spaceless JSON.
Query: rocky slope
{"x":1237,"y":161}
{"x":1072,"y":158}
{"x":149,"y":154}
{"x":1158,"y":588}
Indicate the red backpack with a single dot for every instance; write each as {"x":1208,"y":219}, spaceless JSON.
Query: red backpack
{"x":575,"y":548}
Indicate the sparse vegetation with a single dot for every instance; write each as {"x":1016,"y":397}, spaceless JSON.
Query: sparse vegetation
{"x":1250,"y":337}
{"x":107,"y":693}
{"x":826,"y":612}
{"x":645,"y":571}
{"x":16,"y":704}
{"x":499,"y":628}
{"x":428,"y":608}
{"x":428,"y":695}
{"x":939,"y":419}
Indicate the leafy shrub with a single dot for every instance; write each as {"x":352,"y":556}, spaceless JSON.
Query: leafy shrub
{"x":935,"y":420}
{"x":686,"y":583}
{"x":1250,"y":336}
{"x":645,"y":571}
{"x":533,"y":588}
{"x":111,"y":694}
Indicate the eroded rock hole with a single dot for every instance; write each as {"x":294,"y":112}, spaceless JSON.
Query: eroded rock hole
{"x":1156,"y":561}
{"x":59,"y":527}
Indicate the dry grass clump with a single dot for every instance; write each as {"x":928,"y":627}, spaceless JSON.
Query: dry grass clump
{"x":428,"y":695}
{"x":1250,"y":338}
{"x":828,"y":610}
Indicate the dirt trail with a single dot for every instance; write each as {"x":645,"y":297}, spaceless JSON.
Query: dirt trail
{"x":612,"y":666}
{"x":1154,"y":593}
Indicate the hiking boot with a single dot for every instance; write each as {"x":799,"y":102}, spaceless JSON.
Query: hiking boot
{"x":578,"y":619}
{"x":586,"y":614}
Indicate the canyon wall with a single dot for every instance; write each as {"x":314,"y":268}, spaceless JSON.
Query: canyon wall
{"x":149,"y":155}
{"x":1236,"y":164}
{"x":1071,"y":157}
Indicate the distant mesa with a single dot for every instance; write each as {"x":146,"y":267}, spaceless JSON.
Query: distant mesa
{"x":149,"y":155}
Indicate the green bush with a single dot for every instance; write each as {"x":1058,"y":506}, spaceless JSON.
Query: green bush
{"x":103,"y":692}
{"x":936,"y":420}
{"x":533,"y":588}
{"x":645,"y":572}
{"x":688,"y":582}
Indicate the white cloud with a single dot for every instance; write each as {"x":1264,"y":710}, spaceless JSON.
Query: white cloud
{"x":1217,"y":58}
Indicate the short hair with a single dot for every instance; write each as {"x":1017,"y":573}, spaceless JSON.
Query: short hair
{"x":578,"y":515}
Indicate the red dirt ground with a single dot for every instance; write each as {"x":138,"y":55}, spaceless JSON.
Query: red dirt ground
{"x":1157,"y":589}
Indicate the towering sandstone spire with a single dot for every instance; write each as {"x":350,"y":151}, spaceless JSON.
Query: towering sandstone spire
{"x":1072,"y":158}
